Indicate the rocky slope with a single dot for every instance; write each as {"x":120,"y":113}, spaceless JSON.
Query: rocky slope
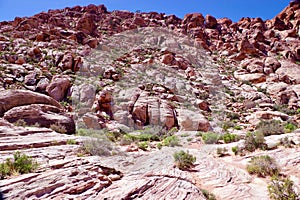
{"x":87,"y":67}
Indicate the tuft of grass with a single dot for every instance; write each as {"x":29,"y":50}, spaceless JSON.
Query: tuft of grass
{"x":184,"y":160}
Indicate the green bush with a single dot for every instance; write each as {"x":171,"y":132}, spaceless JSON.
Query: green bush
{"x":143,"y":145}
{"x":228,"y":138}
{"x":171,"y":141}
{"x":282,"y":189}
{"x":235,"y":150}
{"x":263,"y":166}
{"x":184,"y":160}
{"x":290,"y":127}
{"x":254,"y":141}
{"x":270,"y":127}
{"x":21,"y":164}
{"x":159,"y":146}
{"x":210,"y":138}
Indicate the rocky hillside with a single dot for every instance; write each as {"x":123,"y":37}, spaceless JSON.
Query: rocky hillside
{"x":102,"y":100}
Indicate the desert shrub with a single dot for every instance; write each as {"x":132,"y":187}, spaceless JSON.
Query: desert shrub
{"x":71,"y":142}
{"x":290,"y":127}
{"x":143,"y":145}
{"x":284,"y":109}
{"x":227,"y":125}
{"x":255,"y":141}
{"x":184,"y":160}
{"x":199,"y":134}
{"x":58,"y":128}
{"x":210,"y":138}
{"x":235,"y":150}
{"x":142,"y":137}
{"x":98,"y":146}
{"x":233,"y":115}
{"x":286,"y":142}
{"x":208,"y":195}
{"x":21,"y":164}
{"x":228,"y":138}
{"x":222,"y":151}
{"x":237,"y":127}
{"x":20,"y":122}
{"x":159,"y":145}
{"x":270,"y":127}
{"x":263,"y":166}
{"x":185,"y":135}
{"x":171,"y":141}
{"x":282,"y":189}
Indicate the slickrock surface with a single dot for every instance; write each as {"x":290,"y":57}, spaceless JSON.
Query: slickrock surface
{"x":87,"y":67}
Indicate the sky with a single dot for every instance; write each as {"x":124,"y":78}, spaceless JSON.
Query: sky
{"x":233,"y":9}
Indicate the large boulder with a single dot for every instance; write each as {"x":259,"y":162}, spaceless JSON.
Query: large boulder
{"x":14,"y":98}
{"x":289,"y":72}
{"x":189,"y":120}
{"x":44,"y":115}
{"x":193,"y":20}
{"x":58,"y":87}
{"x":87,"y":24}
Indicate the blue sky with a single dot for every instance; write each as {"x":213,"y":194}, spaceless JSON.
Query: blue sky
{"x":233,"y":9}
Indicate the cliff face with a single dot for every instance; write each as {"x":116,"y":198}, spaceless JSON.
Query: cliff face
{"x":86,"y":68}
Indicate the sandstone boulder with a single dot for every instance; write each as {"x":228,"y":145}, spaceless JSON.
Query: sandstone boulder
{"x":14,"y":98}
{"x":193,"y":20}
{"x":289,"y":72}
{"x":58,"y":87}
{"x":44,"y":115}
{"x":210,"y":22}
{"x":192,"y":121}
